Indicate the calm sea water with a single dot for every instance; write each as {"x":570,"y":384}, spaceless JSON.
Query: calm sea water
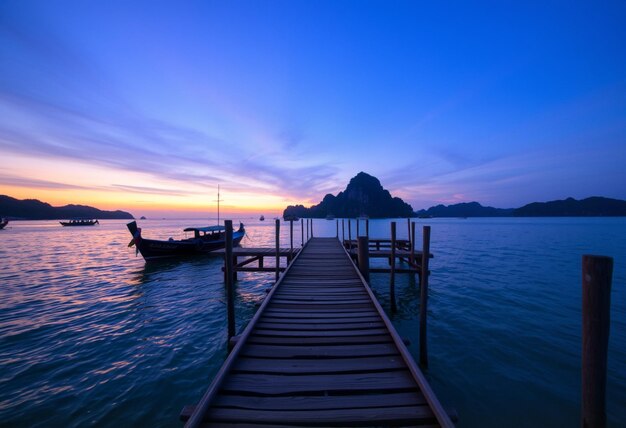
{"x":92,"y":335}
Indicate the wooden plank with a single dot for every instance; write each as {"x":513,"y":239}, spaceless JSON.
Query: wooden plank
{"x":321,"y":384}
{"x":319,"y":340}
{"x":319,"y":321}
{"x":334,"y":325}
{"x":319,"y":333}
{"x":317,"y":366}
{"x":330,"y":351}
{"x":370,"y":416}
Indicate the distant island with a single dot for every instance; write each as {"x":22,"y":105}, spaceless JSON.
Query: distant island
{"x":590,"y":207}
{"x":33,"y":209}
{"x":364,"y":196}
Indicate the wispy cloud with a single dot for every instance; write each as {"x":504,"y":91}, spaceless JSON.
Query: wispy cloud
{"x":96,"y":126}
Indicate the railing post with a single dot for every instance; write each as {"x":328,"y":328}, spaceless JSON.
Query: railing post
{"x":392,"y":276}
{"x":337,"y":234}
{"x":302,"y":230}
{"x":311,"y":228}
{"x":230,"y":291}
{"x":597,"y":276}
{"x":367,"y":227}
{"x":364,"y":257}
{"x":408,"y":226}
{"x":277,"y":249}
{"x":307,"y":230}
{"x":424,"y":296}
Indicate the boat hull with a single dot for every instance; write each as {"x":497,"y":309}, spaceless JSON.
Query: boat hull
{"x":153,"y":249}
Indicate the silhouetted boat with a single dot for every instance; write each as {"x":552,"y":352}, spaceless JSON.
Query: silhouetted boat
{"x":3,"y":222}
{"x":262,"y":218}
{"x":79,"y":222}
{"x":205,"y":240}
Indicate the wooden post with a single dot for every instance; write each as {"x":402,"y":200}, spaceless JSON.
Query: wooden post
{"x":349,"y":234}
{"x":311,"y":228}
{"x":302,"y":230}
{"x":307,"y":230}
{"x":424,"y":296}
{"x":291,"y":239}
{"x":343,"y":232}
{"x":367,"y":227}
{"x":597,"y":277}
{"x":337,"y":234}
{"x":364,"y":257}
{"x":230,"y":291}
{"x":358,"y":223}
{"x":392,"y":276}
{"x":277,"y":249}
{"x":408,"y":227}
{"x":413,"y":243}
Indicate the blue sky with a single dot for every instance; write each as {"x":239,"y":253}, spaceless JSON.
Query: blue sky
{"x":151,"y":104}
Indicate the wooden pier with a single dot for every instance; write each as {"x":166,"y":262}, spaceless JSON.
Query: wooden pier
{"x":320,"y":351}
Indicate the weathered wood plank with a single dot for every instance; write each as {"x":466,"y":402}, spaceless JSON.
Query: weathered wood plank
{"x":319,"y":333}
{"x":318,"y":340}
{"x":370,"y":416}
{"x":329,"y":351}
{"x":320,"y":384}
{"x":318,"y":366}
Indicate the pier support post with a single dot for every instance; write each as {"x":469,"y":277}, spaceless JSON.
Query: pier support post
{"x":277,"y":249}
{"x":302,"y":231}
{"x":311,"y":228}
{"x":349,"y":234}
{"x":408,"y":236}
{"x":424,"y":296}
{"x":337,"y":234}
{"x":413,"y":243}
{"x":597,"y":274}
{"x":392,"y":276}
{"x":367,"y":227}
{"x":290,"y":240}
{"x":228,"y":268}
{"x":307,"y":230}
{"x":364,"y":257}
{"x":343,"y":232}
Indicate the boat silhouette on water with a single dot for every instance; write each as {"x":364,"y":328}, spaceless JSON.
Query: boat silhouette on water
{"x":204,"y":240}
{"x":3,"y":222}
{"x":79,"y":222}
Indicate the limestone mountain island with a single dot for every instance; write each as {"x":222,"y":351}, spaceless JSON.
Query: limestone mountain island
{"x":364,"y":196}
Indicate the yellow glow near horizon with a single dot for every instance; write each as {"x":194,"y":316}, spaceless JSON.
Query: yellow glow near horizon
{"x":62,"y":183}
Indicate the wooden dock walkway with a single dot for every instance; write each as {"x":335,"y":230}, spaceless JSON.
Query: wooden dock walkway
{"x":320,"y":351}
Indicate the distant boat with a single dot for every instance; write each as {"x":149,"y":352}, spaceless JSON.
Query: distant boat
{"x":143,"y":217}
{"x":3,"y":222}
{"x":205,"y":240}
{"x":262,"y":218}
{"x":79,"y":222}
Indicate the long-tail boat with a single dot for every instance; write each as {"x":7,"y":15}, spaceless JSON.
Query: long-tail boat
{"x":79,"y":222}
{"x":204,"y":240}
{"x":3,"y":222}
